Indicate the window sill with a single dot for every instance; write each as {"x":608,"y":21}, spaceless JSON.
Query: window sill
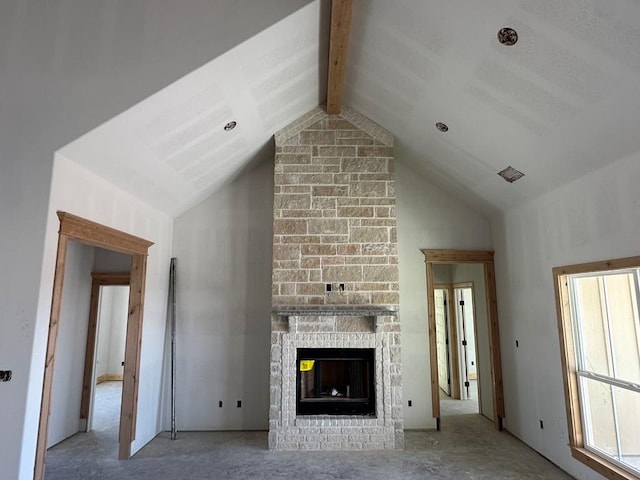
{"x":600,"y":465}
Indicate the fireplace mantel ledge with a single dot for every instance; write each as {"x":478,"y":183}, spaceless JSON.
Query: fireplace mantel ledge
{"x":333,"y":310}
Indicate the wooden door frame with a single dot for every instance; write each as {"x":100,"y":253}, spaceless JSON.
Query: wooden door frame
{"x":94,"y":234}
{"x":485,"y":258}
{"x":98,"y":280}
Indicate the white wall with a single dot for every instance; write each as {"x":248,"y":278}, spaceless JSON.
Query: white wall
{"x":427,"y":218}
{"x":105,"y":313}
{"x":112,"y":328}
{"x":441,"y":274}
{"x":80,"y":192}
{"x":117,"y":337}
{"x":63,"y":71}
{"x":223,"y":248}
{"x":64,"y":420}
{"x":107,"y":261}
{"x":596,"y":217}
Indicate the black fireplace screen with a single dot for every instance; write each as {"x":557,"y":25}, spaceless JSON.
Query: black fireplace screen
{"x":336,"y":381}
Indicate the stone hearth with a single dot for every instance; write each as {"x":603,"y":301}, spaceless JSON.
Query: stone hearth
{"x":335,"y":274}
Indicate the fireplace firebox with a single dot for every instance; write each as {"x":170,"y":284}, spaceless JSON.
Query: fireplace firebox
{"x":335,"y":381}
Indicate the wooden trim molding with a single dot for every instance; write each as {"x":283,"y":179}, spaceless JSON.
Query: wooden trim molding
{"x":94,"y":234}
{"x":433,"y":346}
{"x":443,"y":256}
{"x":47,"y":383}
{"x":604,"y":468}
{"x":494,"y":344}
{"x":133,"y":346}
{"x":341,"y":11}
{"x":457,"y":256}
{"x":97,"y":235}
{"x":109,"y":377}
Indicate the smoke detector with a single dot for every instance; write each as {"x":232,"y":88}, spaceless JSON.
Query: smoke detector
{"x":510,"y":174}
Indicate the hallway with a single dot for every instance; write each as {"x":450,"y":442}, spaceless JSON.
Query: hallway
{"x":468,"y":448}
{"x":450,"y":406}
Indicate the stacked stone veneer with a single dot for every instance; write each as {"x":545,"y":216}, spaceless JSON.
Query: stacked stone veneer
{"x":335,"y":223}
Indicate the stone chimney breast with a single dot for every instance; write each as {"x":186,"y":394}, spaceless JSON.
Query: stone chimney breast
{"x":335,"y":287}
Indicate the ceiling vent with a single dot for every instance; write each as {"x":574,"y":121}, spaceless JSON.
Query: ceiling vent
{"x":507,"y":36}
{"x":510,"y":174}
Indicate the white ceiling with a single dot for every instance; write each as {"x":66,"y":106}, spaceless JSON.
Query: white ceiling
{"x":171,"y":149}
{"x":565,"y":100}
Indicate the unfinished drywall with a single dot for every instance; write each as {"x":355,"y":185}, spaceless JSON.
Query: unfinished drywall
{"x":112,"y":328}
{"x":111,"y":262}
{"x":64,"y":419}
{"x":593,"y":218}
{"x":427,"y":218}
{"x":223,"y":247}
{"x":223,"y":250}
{"x":58,"y":81}
{"x":82,"y":193}
{"x":442,"y":274}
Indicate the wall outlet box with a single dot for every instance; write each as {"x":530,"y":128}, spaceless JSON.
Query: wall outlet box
{"x":334,"y":289}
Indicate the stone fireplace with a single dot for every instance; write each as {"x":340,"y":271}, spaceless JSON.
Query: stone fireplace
{"x":335,"y":332}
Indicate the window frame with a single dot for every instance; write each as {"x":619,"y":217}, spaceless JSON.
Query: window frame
{"x":569,"y":365}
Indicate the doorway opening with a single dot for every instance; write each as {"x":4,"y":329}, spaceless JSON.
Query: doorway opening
{"x":456,"y":339}
{"x":105,"y":350}
{"x":74,"y":230}
{"x":108,"y":364}
{"x":472,"y":322}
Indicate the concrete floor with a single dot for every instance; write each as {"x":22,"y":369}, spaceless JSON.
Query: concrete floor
{"x":449,"y":406}
{"x":467,"y":448}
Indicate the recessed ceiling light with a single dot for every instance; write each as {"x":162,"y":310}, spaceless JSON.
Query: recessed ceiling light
{"x":230,"y":126}
{"x":510,"y":174}
{"x":507,"y":36}
{"x":442,"y":127}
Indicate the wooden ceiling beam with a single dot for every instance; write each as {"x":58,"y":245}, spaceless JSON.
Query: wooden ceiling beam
{"x":338,"y":44}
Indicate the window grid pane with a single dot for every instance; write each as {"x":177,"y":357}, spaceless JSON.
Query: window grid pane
{"x":599,"y":417}
{"x":627,"y":404}
{"x":606,"y":325}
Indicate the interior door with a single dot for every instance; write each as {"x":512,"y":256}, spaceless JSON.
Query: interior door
{"x":465,"y":322}
{"x":442,"y":334}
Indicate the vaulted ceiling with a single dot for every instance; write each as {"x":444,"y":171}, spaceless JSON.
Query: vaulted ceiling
{"x":561,"y":102}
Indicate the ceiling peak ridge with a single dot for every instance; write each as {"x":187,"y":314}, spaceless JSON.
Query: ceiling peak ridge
{"x":347,"y":113}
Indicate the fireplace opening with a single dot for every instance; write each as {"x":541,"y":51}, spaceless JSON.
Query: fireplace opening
{"x":335,"y":381}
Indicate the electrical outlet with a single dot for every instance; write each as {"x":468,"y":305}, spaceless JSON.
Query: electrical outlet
{"x":5,"y":375}
{"x":541,"y":425}
{"x":517,"y":344}
{"x":410,"y":402}
{"x":335,"y":288}
{"x":220,"y":404}
{"x":239,"y":404}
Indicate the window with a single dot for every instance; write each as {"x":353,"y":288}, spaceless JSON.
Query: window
{"x":598,"y":315}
